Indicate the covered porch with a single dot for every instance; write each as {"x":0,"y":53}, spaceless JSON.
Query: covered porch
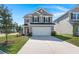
{"x":25,"y":29}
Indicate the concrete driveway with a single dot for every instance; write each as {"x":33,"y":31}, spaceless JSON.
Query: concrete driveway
{"x":47,"y":45}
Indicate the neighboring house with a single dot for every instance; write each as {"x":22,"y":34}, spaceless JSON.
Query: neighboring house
{"x":68,"y":23}
{"x":38,"y":23}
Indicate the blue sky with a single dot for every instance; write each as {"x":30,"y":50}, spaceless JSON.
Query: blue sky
{"x":19,"y":10}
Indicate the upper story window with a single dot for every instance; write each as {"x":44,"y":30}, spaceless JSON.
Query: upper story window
{"x":35,"y":19}
{"x":27,"y":20}
{"x":75,"y":16}
{"x":44,"y":19}
{"x":50,"y":18}
{"x":47,"y":19}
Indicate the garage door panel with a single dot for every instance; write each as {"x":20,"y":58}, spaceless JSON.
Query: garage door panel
{"x":41,"y":30}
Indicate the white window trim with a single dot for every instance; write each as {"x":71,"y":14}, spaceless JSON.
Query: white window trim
{"x":76,"y":15}
{"x":47,"y":20}
{"x":41,"y":19}
{"x":35,"y":20}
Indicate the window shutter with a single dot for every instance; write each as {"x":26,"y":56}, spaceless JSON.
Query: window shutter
{"x":71,"y":15}
{"x":77,"y":16}
{"x":32,"y":19}
{"x":49,"y":19}
{"x":44,"y":19}
{"x":38,"y":19}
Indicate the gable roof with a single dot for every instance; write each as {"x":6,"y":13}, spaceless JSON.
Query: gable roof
{"x":61,"y":17}
{"x":43,"y":12}
{"x":38,"y":12}
{"x":76,"y":9}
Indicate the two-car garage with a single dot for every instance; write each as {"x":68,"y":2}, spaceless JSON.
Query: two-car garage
{"x":41,"y":31}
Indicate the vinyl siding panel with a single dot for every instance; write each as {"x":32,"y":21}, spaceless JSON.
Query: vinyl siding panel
{"x":64,"y":27}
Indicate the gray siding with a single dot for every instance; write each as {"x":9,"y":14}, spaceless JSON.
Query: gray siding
{"x":64,"y":27}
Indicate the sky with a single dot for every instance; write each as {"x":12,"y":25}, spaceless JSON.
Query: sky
{"x":19,"y":10}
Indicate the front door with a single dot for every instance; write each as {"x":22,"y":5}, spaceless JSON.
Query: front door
{"x":27,"y":30}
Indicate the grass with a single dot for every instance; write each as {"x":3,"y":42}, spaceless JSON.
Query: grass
{"x":69,"y":38}
{"x":17,"y":43}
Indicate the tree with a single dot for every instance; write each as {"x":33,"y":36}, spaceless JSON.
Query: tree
{"x":5,"y":21}
{"x":17,"y":27}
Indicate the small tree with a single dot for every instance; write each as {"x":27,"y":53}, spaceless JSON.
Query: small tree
{"x":5,"y":21}
{"x":17,"y":27}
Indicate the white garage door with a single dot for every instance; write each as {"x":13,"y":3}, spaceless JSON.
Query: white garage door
{"x":41,"y":30}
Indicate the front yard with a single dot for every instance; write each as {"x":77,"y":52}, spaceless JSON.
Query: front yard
{"x":69,"y":38}
{"x":15,"y":45}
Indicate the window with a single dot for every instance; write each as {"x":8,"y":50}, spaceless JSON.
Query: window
{"x":73,"y":16}
{"x":46,"y":19}
{"x":77,"y":16}
{"x":27,"y":20}
{"x":49,"y":19}
{"x":35,"y":19}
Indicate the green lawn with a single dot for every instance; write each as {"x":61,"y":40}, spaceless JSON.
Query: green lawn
{"x":15,"y":45}
{"x":69,"y":38}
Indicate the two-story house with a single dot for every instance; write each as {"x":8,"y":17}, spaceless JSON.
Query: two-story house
{"x":68,"y":23}
{"x":38,"y":23}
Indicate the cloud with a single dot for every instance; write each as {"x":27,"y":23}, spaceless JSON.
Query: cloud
{"x":57,"y":15}
{"x":60,"y":8}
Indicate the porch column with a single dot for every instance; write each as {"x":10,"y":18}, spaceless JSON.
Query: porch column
{"x":25,"y":30}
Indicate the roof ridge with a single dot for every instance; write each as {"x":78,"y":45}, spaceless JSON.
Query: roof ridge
{"x":66,"y":12}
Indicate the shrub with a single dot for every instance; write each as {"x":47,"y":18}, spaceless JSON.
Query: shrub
{"x":30,"y":34}
{"x":23,"y":34}
{"x":18,"y":35}
{"x":53,"y":33}
{"x":76,"y":34}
